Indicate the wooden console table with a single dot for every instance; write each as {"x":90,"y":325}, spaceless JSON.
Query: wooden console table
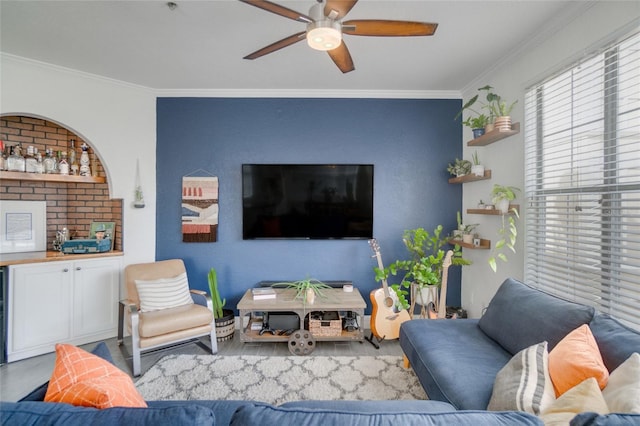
{"x":336,"y":300}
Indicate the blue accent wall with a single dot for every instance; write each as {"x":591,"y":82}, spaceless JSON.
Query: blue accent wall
{"x":409,"y":142}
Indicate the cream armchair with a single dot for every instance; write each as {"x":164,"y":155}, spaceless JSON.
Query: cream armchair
{"x":162,"y":313}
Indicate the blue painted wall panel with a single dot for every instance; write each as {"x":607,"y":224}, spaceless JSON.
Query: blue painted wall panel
{"x":409,"y":141}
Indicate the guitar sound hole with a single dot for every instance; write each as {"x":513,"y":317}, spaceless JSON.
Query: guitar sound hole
{"x":388,"y":302}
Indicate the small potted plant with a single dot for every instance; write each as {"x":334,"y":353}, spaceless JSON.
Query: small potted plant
{"x":499,"y":109}
{"x":224,"y":318}
{"x":477,"y":168}
{"x":502,"y":195}
{"x":306,"y":289}
{"x":459,"y":168}
{"x":477,"y":124}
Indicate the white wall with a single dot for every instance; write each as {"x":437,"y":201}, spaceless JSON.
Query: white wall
{"x":117,"y":120}
{"x":592,"y":26}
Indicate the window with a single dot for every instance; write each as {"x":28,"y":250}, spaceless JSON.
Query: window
{"x":582,"y":182}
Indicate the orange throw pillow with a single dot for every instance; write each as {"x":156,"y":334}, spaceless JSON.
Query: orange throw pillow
{"x":81,"y":378}
{"x":575,"y":359}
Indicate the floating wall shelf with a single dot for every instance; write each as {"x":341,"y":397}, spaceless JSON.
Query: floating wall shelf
{"x":471,"y":177}
{"x":51,"y":177}
{"x":494,"y":136}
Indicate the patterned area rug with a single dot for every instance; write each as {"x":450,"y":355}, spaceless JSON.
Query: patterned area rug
{"x":277,"y":380}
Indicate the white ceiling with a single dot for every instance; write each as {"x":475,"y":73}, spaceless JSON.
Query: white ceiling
{"x":200,"y":44}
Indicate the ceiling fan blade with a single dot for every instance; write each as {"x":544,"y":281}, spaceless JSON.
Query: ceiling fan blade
{"x":341,"y":7}
{"x":279,"y":10}
{"x":385,"y":28}
{"x":342,"y":58}
{"x":288,"y":41}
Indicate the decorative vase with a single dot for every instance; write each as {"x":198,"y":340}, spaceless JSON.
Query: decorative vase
{"x":477,"y":132}
{"x":427,"y":294}
{"x":477,"y":169}
{"x":503,"y":124}
{"x":503,"y":206}
{"x":311,"y":296}
{"x":467,"y":238}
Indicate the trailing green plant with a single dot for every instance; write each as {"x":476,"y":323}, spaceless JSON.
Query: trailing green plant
{"x":502,"y":192}
{"x":217,"y":302}
{"x":493,"y":103}
{"x":508,"y":234}
{"x":459,"y":167}
{"x":302,"y":286}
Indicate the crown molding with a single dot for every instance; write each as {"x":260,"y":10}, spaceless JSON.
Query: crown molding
{"x":308,"y":93}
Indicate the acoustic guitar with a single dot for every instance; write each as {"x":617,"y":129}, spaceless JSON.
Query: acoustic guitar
{"x":386,"y":317}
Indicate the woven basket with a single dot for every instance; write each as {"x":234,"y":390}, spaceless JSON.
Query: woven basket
{"x":325,"y":328}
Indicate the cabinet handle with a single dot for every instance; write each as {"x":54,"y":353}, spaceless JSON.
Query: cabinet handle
{"x":78,"y":268}
{"x":65,"y":270}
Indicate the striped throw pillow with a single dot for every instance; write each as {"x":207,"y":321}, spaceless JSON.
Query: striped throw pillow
{"x":524,"y":383}
{"x":164,"y":293}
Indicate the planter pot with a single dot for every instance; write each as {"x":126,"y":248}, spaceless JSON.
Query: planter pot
{"x":503,"y":123}
{"x":503,"y":206}
{"x":427,"y":294}
{"x":225,"y":326}
{"x":477,"y":132}
{"x":477,"y":170}
{"x":489,"y":127}
{"x":311,"y":296}
{"x":456,"y":234}
{"x":467,"y":238}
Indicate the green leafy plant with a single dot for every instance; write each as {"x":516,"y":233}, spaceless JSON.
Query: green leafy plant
{"x":502,"y":192}
{"x":493,"y":103}
{"x":508,"y":235}
{"x":217,"y":302}
{"x":476,"y":122}
{"x":424,"y":267}
{"x":475,"y":158}
{"x":459,"y":167}
{"x":302,"y":287}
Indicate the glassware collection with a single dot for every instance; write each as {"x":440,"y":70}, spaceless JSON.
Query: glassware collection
{"x":14,"y":158}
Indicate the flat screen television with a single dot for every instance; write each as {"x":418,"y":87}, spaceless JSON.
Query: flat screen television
{"x":307,"y":201}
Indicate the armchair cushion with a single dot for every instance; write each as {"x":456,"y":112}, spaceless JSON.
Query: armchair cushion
{"x":165,"y":321}
{"x":164,"y":293}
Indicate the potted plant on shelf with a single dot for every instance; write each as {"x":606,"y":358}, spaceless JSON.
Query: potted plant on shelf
{"x":307,"y":289}
{"x":459,"y":168}
{"x":477,"y":168}
{"x":464,"y":232}
{"x":477,"y":124}
{"x":224,"y":318}
{"x":423,"y":269}
{"x":502,"y":195}
{"x":499,"y":109}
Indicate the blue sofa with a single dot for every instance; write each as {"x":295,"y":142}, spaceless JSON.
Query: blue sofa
{"x":457,"y":361}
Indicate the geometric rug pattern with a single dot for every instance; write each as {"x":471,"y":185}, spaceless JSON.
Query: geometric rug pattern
{"x":279,"y":379}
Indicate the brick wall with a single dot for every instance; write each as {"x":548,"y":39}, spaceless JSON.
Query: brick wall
{"x":74,"y":205}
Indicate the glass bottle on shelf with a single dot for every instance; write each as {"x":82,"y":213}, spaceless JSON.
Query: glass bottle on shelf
{"x":63,"y":165}
{"x":16,"y":160}
{"x":30,"y":161}
{"x":39,"y":162}
{"x":3,"y":160}
{"x":72,"y":158}
{"x":49,"y":162}
{"x":85,"y":170}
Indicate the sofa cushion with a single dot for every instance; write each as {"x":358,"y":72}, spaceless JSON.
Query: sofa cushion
{"x":575,"y":359}
{"x":223,"y":409}
{"x":519,"y":316}
{"x":623,"y":388}
{"x":382,"y":406}
{"x":595,"y":419}
{"x":279,"y":416}
{"x":524,"y":383}
{"x":616,"y":341}
{"x":41,"y":413}
{"x":585,"y":396}
{"x":81,"y":378}
{"x":441,"y":351}
{"x":38,"y":393}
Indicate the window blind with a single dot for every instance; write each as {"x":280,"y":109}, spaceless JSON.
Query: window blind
{"x":582,"y":182}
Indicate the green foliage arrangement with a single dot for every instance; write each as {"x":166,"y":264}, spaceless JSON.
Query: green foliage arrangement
{"x":302,"y":286}
{"x":217,"y":302}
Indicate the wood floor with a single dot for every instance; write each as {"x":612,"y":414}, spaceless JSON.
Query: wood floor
{"x":20,"y":377}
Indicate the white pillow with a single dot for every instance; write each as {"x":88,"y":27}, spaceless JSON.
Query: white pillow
{"x":524,"y":383}
{"x":585,"y":396}
{"x":622,"y":392}
{"x":164,"y":293}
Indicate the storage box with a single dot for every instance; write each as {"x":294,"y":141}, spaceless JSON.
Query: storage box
{"x":325,"y":324}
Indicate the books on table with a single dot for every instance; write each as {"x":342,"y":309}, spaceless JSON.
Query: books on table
{"x":261,"y":293}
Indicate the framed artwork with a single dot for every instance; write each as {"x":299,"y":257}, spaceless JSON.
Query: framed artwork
{"x":23,"y":226}
{"x":199,"y":209}
{"x":109,"y":229}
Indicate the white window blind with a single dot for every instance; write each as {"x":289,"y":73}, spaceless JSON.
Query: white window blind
{"x":582,"y":182}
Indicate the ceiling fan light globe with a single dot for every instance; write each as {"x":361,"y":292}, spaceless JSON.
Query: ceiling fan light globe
{"x":324,"y":35}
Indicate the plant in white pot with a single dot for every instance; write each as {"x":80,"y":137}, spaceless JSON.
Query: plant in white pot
{"x":502,"y":195}
{"x":499,"y":109}
{"x":307,"y":289}
{"x":477,"y":168}
{"x":459,"y":168}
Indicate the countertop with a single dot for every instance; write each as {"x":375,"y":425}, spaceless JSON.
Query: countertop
{"x":7,"y":259}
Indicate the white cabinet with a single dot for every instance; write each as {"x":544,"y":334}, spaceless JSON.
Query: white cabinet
{"x":61,"y":302}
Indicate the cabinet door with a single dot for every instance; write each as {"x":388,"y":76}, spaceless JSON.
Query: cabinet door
{"x":96,"y":286}
{"x":39,"y":307}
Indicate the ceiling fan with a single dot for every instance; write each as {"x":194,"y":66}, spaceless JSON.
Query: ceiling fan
{"x":325,"y":29}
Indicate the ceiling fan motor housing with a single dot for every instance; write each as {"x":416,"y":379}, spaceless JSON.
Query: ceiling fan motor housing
{"x":324,"y":33}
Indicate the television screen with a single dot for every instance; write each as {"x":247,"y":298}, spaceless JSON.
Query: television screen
{"x":312,"y":201}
